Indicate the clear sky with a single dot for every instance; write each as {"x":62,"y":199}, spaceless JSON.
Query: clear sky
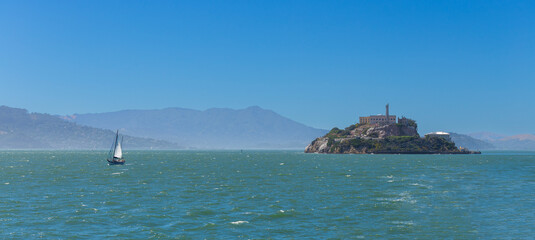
{"x":463,"y":66}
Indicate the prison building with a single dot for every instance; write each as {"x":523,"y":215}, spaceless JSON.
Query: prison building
{"x":373,"y":119}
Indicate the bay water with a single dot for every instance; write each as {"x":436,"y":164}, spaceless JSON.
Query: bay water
{"x":266,"y":195}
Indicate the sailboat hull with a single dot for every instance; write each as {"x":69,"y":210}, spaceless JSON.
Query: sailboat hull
{"x":116,"y":161}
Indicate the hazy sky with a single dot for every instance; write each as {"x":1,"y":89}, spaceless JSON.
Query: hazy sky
{"x":464,"y":66}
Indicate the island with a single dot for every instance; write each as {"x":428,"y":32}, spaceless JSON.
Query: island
{"x":381,"y":134}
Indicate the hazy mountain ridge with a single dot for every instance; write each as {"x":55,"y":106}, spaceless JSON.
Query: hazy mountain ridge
{"x":215,"y":128}
{"x":486,"y":136}
{"x":493,"y":141}
{"x":501,"y":142}
{"x":466,"y":141}
{"x":20,"y":129}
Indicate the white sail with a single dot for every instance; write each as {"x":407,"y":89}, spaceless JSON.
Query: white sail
{"x":118,"y":152}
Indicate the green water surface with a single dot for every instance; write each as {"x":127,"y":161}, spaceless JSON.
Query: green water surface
{"x":266,"y":194}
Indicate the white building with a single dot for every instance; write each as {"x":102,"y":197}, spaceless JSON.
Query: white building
{"x":444,"y":135}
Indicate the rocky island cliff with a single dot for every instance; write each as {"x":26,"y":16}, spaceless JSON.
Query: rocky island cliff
{"x":383,"y":138}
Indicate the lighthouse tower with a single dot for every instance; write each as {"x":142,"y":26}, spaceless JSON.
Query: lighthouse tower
{"x":387,"y":114}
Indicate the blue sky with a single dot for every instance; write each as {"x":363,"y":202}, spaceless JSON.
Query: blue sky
{"x":463,"y":66}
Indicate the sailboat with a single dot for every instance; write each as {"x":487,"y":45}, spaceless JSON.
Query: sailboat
{"x":115,"y":156}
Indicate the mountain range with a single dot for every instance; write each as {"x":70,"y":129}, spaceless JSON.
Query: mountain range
{"x":501,"y":142}
{"x":20,"y":129}
{"x":215,"y":128}
{"x":493,"y":141}
{"x":180,"y":128}
{"x":466,"y":141}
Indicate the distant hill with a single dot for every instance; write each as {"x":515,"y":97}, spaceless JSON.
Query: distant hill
{"x":22,"y":130}
{"x":517,"y":142}
{"x":216,"y":128}
{"x":520,"y":137}
{"x":486,"y":136}
{"x":462,"y":140}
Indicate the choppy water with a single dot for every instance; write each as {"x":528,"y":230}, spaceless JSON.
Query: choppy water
{"x":217,"y":195}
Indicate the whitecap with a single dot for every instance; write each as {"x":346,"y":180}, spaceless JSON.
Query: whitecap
{"x":402,"y":197}
{"x":420,"y":185}
{"x":116,"y":173}
{"x":6,"y":183}
{"x":389,"y":177}
{"x":403,"y":222}
{"x":239,"y":222}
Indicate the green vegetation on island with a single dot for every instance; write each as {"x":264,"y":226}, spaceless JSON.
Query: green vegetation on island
{"x":384,"y":138}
